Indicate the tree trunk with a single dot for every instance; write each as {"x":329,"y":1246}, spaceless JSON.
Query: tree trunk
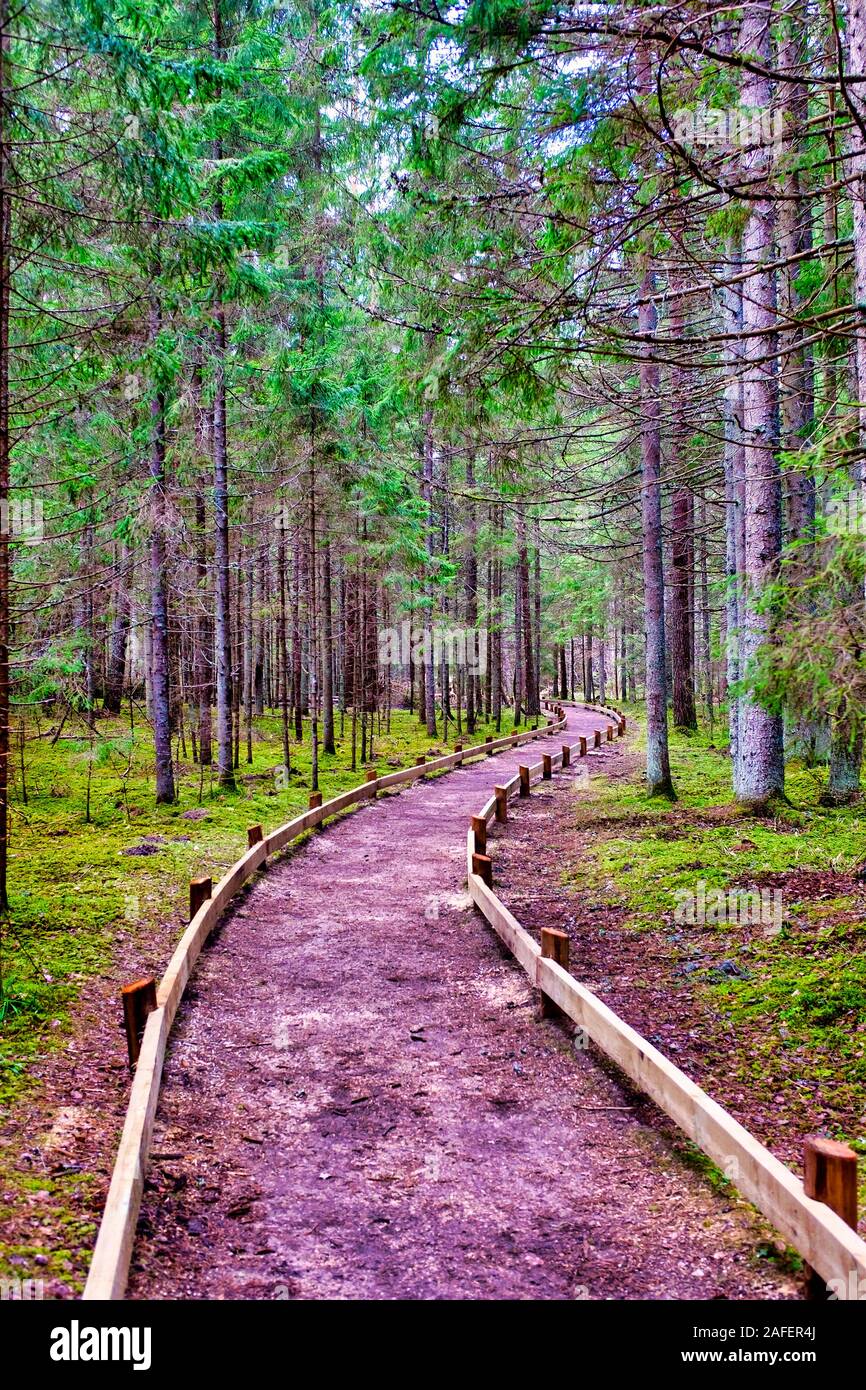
{"x":658,"y":762}
{"x":222,"y":607}
{"x":159,"y":673}
{"x":732,"y":324}
{"x":327,"y":654}
{"x":471,"y":591}
{"x":429,"y":655}
{"x":525,"y":616}
{"x":119,"y":634}
{"x":761,"y":769}
{"x":682,"y":531}
{"x":5,"y":449}
{"x":536,"y":665}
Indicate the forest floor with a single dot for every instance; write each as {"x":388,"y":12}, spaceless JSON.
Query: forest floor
{"x":367,"y":1104}
{"x":99,"y":892}
{"x":360,"y":1100}
{"x":768,"y":1017}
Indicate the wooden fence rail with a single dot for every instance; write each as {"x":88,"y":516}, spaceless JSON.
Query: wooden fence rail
{"x":822,"y":1237}
{"x":109,"y":1268}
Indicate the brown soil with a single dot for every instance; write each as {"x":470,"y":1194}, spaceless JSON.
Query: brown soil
{"x":656,"y":980}
{"x":69,"y":1118}
{"x":360,"y":1100}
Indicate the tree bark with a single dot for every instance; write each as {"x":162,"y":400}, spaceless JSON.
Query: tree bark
{"x":159,"y":650}
{"x":658,"y":769}
{"x":429,"y":655}
{"x":525,"y":617}
{"x":682,"y":531}
{"x":119,"y":634}
{"x":761,"y":764}
{"x":327,"y":653}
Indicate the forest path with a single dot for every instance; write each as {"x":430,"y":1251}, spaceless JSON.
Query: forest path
{"x":360,"y":1100}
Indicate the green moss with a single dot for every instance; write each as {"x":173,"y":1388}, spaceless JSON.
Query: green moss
{"x":73,"y":885}
{"x":61,"y":1240}
{"x":75,"y":889}
{"x":801,"y":1001}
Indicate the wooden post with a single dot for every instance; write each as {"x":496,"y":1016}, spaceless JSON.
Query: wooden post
{"x":482,"y":865}
{"x":546,"y":767}
{"x":371,"y":776}
{"x":315,"y":800}
{"x":139,"y":1000}
{"x":622,"y":725}
{"x":524,"y":780}
{"x":610,"y":733}
{"x":829,"y":1176}
{"x":479,"y":831}
{"x":420,"y":760}
{"x":597,"y":742}
{"x":582,"y":746}
{"x":501,"y":804}
{"x":200,"y":890}
{"x":488,"y":743}
{"x":566,"y":755}
{"x":554,"y":946}
{"x":458,"y":748}
{"x":254,"y":836}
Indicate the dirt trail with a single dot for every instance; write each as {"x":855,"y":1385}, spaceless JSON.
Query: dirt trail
{"x":361,"y":1102}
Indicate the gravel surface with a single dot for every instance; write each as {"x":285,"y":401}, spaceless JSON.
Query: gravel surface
{"x":360,"y":1100}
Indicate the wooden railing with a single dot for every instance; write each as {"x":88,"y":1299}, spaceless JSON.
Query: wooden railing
{"x":109,"y":1268}
{"x":826,"y":1241}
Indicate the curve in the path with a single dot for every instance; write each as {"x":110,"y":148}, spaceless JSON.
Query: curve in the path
{"x":360,"y":1101}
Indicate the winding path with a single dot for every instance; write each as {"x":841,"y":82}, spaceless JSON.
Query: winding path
{"x":360,"y":1100}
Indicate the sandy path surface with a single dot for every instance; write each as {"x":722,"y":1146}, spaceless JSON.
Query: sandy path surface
{"x":360,"y":1100}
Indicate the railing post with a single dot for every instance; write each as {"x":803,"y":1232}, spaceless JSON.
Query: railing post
{"x":139,"y":1000}
{"x":200,"y":889}
{"x":829,"y":1176}
{"x":482,"y":865}
{"x":479,"y":832}
{"x":597,"y":739}
{"x":554,"y":946}
{"x":315,"y":800}
{"x":582,"y":746}
{"x":488,"y":743}
{"x":610,"y":733}
{"x":566,"y":755}
{"x":501,"y":804}
{"x":524,"y":779}
{"x":372,"y":775}
{"x":546,"y":767}
{"x":254,"y":835}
